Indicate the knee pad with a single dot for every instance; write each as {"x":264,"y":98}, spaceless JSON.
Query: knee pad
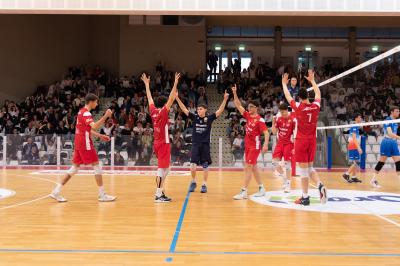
{"x":166,"y":172}
{"x":205,"y":166}
{"x":397,"y":166}
{"x":379,"y":166}
{"x":288,"y":166}
{"x":193,"y":166}
{"x":97,"y":170}
{"x":311,"y":170}
{"x":303,"y":172}
{"x":73,"y":170}
{"x":162,"y":172}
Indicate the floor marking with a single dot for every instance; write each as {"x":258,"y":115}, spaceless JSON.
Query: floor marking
{"x":377,"y":215}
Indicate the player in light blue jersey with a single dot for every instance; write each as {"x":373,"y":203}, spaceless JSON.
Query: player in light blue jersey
{"x":389,"y":147}
{"x":355,"y":151}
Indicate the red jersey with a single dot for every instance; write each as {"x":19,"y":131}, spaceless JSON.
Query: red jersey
{"x":285,"y":127}
{"x":159,"y":116}
{"x":83,"y":140}
{"x":254,"y":127}
{"x":306,"y":118}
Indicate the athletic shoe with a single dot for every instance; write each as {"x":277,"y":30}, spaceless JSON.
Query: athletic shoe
{"x":203,"y":189}
{"x":354,"y":179}
{"x":347,"y":178}
{"x":303,"y":201}
{"x":374,"y":183}
{"x":193,"y":186}
{"x":106,"y":198}
{"x":286,"y":186}
{"x":57,"y":197}
{"x":322,"y":193}
{"x":162,"y":199}
{"x":260,"y":193}
{"x":242,"y":195}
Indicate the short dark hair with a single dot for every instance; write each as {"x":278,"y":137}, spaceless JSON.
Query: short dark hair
{"x":90,"y":97}
{"x":394,"y":107}
{"x":161,"y":101}
{"x":356,"y":115}
{"x":283,"y":106}
{"x":203,"y":105}
{"x":255,"y":103}
{"x":303,"y":94}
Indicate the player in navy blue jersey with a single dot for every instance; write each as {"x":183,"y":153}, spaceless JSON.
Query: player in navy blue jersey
{"x":389,"y":146}
{"x":202,"y":123}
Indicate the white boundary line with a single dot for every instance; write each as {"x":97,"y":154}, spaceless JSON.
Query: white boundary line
{"x":29,"y":201}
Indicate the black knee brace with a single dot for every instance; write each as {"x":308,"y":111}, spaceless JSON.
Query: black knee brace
{"x":397,"y":166}
{"x":379,"y":166}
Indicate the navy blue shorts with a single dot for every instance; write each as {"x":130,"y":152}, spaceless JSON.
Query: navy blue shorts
{"x":354,"y":155}
{"x":389,"y":147}
{"x":201,"y":153}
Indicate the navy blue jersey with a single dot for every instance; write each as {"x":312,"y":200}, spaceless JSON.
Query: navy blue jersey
{"x":201,"y":127}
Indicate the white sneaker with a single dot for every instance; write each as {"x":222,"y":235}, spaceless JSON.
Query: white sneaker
{"x":260,"y":193}
{"x":57,"y":197}
{"x":106,"y":198}
{"x":242,"y":195}
{"x":286,"y":186}
{"x":374,"y":183}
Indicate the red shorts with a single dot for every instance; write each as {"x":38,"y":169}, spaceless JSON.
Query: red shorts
{"x":163,"y":153}
{"x":251,"y":155}
{"x":304,"y":150}
{"x":283,"y":150}
{"x":85,"y":157}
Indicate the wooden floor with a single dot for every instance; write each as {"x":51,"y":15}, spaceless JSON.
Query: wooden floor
{"x":195,"y":229}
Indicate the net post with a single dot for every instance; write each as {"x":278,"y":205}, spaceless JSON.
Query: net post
{"x":220,"y":152}
{"x":329,"y":153}
{"x":58,"y":150}
{"x":112,"y":153}
{"x":363,"y":155}
{"x":4,"y":151}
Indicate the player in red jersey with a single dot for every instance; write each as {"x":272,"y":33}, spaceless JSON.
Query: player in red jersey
{"x":306,"y":135}
{"x":255,"y":126}
{"x":162,"y":148}
{"x":84,"y":151}
{"x":283,"y":126}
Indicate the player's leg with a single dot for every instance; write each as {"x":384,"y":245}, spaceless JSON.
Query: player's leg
{"x":56,"y":193}
{"x":194,"y":160}
{"x":98,"y":174}
{"x":287,"y":156}
{"x":356,"y":171}
{"x":303,"y":171}
{"x":163,"y":153}
{"x":247,"y":177}
{"x":257,"y":177}
{"x":205,"y":159}
{"x":276,"y":159}
{"x":315,"y":177}
{"x":378,"y":167}
{"x":205,"y":177}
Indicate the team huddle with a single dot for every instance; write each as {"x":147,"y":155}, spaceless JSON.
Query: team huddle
{"x":296,"y":133}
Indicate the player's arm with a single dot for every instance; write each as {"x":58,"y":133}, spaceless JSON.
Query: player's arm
{"x":315,"y":87}
{"x":146,"y":81}
{"x":391,"y":134}
{"x":182,"y":106}
{"x":100,"y":136}
{"x":285,"y":81}
{"x":273,"y":128}
{"x":236,"y":100}
{"x":173,"y":92}
{"x":97,"y":125}
{"x":223,"y":104}
{"x":266,"y":140}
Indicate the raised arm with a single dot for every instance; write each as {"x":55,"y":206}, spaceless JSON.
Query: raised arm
{"x":311,"y":79}
{"x":146,"y":81}
{"x":285,"y":80}
{"x":172,"y":94}
{"x":236,"y":100}
{"x":223,"y":104}
{"x":181,"y":105}
{"x":101,"y":121}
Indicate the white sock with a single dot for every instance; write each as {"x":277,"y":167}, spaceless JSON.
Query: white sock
{"x":194,"y":180}
{"x":159,"y":192}
{"x":261,"y":186}
{"x":57,"y":189}
{"x":204,"y":183}
{"x":347,"y":173}
{"x":374,"y":176}
{"x":305,"y":195}
{"x":101,"y":191}
{"x":244,"y":188}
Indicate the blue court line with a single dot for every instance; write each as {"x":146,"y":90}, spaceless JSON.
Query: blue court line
{"x":287,"y":253}
{"x":179,"y":225}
